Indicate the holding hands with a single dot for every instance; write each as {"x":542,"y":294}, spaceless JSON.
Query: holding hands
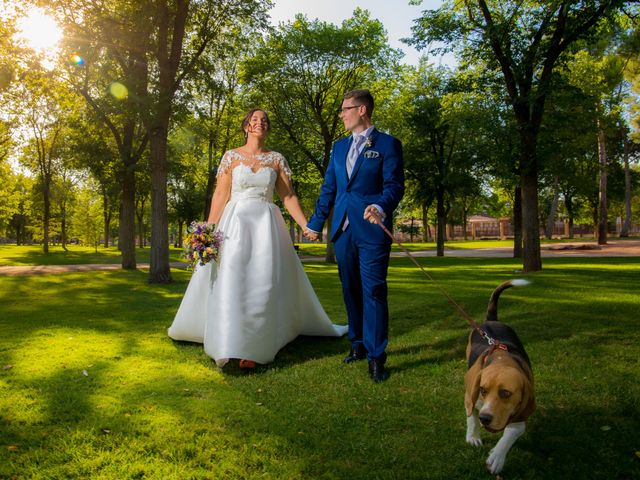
{"x":372,"y":214}
{"x":310,"y":235}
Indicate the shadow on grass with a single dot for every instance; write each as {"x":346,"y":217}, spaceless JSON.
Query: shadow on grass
{"x":580,"y":441}
{"x":301,"y":418}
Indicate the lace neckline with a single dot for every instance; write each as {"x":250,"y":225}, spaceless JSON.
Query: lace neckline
{"x":248,"y":156}
{"x":271,"y":159}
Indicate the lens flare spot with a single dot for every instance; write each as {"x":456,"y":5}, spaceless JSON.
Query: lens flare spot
{"x":77,"y":59}
{"x":118,"y":90}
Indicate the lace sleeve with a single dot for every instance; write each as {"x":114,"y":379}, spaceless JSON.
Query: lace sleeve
{"x":284,"y":166}
{"x":225,"y":164}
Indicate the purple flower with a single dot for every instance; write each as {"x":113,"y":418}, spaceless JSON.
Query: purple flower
{"x":202,"y":243}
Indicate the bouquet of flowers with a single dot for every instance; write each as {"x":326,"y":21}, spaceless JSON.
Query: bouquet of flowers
{"x":202,"y":243}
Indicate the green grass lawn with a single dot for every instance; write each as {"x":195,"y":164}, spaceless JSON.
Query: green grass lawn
{"x":78,"y":254}
{"x":91,"y":386}
{"x":319,"y":249}
{"x":75,"y":255}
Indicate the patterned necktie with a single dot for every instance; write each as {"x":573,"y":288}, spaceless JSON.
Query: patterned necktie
{"x":354,"y":151}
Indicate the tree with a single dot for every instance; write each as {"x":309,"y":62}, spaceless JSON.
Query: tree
{"x":40,"y":103}
{"x":111,"y":41}
{"x":9,"y":196}
{"x":631,"y":140}
{"x":63,"y":197}
{"x":182,"y":31}
{"x":20,"y":221}
{"x":301,"y":71}
{"x":524,"y":39}
{"x":92,"y":149}
{"x":87,"y":218}
{"x":216,"y":100}
{"x":567,"y":149}
{"x":445,"y":148}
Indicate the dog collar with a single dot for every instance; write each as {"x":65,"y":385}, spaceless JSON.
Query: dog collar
{"x":494,"y":347}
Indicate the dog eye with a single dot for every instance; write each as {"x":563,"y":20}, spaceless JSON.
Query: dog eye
{"x":504,"y":393}
{"x":483,"y":392}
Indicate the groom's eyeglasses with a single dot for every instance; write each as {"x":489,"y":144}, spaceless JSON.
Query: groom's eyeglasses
{"x":344,"y":109}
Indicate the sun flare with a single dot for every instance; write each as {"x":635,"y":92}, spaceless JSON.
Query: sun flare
{"x":39,"y":31}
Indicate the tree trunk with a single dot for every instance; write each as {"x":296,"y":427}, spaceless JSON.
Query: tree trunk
{"x":180,"y":235}
{"x":626,"y":225}
{"x":211,"y":185}
{"x":517,"y":222}
{"x":140,"y":221}
{"x":425,"y":223}
{"x":46,"y":193}
{"x":211,"y":178}
{"x":63,"y":228}
{"x":531,"y":260}
{"x":127,"y":228}
{"x":141,"y":231}
{"x":442,"y":224}
{"x":594,"y":217}
{"x":169,"y":53}
{"x":551,"y":219}
{"x":464,"y":220}
{"x":568,"y":204}
{"x":159,"y":270}
{"x":411,"y":231}
{"x":602,"y":223}
{"x":106,"y":215}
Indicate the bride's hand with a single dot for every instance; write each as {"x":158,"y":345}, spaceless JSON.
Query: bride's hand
{"x":309,"y":235}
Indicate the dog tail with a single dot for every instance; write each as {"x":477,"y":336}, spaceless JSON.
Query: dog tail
{"x":492,"y":309}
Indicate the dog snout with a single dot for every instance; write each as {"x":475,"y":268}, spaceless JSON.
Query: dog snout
{"x":485,"y":418}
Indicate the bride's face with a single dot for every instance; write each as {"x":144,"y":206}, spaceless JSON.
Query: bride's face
{"x":258,"y":125}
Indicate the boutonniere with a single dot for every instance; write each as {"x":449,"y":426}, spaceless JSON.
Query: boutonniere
{"x":371,"y":154}
{"x":368,"y":143}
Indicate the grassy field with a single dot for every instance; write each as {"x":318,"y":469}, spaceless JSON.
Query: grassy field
{"x":74,"y":255}
{"x":91,"y":386}
{"x":319,"y":249}
{"x":77,"y":254}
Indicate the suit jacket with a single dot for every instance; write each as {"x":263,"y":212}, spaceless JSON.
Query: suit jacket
{"x":377,"y":178}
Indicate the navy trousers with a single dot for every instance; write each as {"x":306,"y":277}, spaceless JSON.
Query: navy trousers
{"x":363,"y":273}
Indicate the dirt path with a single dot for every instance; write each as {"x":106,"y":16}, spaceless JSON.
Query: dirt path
{"x":614,"y":248}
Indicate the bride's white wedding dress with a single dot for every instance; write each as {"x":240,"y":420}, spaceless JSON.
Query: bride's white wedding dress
{"x":258,"y":297}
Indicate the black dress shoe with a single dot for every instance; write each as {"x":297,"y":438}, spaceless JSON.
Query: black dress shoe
{"x":377,"y":371}
{"x":356,"y":353}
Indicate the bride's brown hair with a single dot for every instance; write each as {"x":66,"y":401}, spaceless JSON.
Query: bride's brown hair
{"x":247,"y":120}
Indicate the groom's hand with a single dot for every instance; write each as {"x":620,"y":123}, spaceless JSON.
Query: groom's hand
{"x":309,"y":235}
{"x":372,"y":214}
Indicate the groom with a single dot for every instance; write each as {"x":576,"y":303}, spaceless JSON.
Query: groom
{"x":364,"y":183}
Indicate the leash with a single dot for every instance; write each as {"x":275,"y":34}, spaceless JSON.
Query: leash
{"x":495,"y":344}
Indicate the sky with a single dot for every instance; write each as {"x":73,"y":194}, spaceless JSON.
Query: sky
{"x":396,"y":15}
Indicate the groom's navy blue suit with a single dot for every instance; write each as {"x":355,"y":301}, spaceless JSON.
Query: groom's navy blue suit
{"x":362,"y":249}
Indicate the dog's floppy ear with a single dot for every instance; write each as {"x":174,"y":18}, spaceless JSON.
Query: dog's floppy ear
{"x":528,"y":403}
{"x":472,"y":387}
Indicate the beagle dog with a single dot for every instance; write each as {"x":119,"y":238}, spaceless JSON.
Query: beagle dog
{"x":498,"y":384}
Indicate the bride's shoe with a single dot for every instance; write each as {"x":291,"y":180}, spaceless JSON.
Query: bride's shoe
{"x":247,"y":364}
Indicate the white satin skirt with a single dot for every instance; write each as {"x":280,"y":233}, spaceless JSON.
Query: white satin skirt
{"x":258,"y":297}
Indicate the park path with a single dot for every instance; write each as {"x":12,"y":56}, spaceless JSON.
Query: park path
{"x":614,"y":248}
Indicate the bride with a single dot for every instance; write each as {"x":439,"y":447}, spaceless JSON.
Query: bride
{"x":258,"y":297}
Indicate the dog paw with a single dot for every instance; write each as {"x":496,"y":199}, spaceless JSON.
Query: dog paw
{"x":474,"y":440}
{"x":495,"y":461}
